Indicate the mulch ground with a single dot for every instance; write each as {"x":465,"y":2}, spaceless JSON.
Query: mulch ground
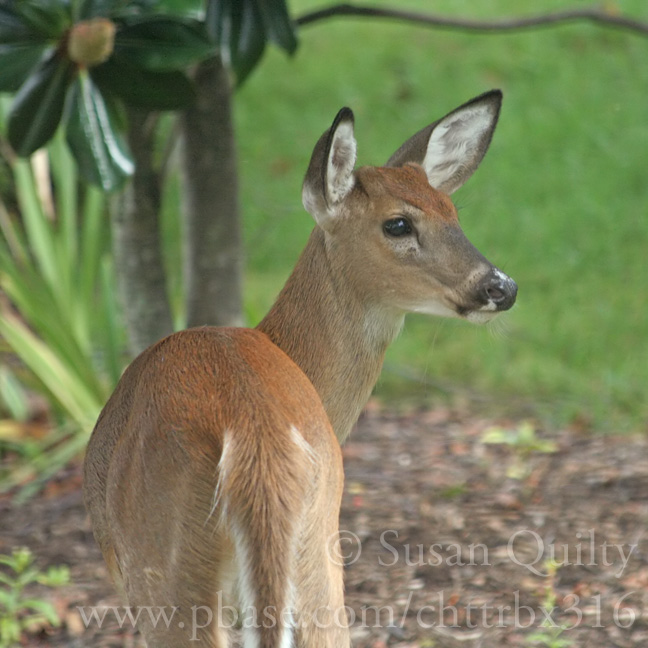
{"x":447,"y":540}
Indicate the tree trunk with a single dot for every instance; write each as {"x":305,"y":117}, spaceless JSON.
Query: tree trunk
{"x":137,"y":248}
{"x":213,"y":242}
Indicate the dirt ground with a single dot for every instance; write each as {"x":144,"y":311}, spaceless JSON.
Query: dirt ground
{"x":446,"y":540}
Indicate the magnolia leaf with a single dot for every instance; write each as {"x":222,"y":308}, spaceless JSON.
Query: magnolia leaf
{"x":14,"y":28}
{"x":17,"y":60}
{"x":241,"y":28}
{"x":38,"y":106}
{"x":21,"y":47}
{"x":143,"y":88}
{"x":49,"y":17}
{"x":87,"y":9}
{"x":163,"y":43}
{"x":238,"y":29}
{"x":187,"y":8}
{"x":278,"y":25}
{"x":94,"y":135}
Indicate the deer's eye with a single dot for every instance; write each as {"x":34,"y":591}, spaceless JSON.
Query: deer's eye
{"x":397,"y":227}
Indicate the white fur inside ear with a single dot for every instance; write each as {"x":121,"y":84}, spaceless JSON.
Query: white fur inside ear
{"x":454,"y":149}
{"x":340,"y":163}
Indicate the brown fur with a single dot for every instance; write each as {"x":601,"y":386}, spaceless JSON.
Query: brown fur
{"x":409,"y":184}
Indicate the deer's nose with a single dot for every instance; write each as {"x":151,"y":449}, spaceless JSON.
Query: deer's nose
{"x":501,"y":291}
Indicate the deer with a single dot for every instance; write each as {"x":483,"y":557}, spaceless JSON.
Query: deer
{"x":213,"y":477}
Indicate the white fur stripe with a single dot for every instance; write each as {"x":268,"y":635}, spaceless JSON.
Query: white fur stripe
{"x":302,"y":444}
{"x":246,"y":589}
{"x":222,"y":470}
{"x":252,"y":617}
{"x":286,"y":618}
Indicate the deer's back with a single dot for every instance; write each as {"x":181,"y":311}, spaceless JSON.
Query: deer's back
{"x":152,"y":466}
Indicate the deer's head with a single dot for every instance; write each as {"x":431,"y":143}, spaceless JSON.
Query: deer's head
{"x":393,"y":231}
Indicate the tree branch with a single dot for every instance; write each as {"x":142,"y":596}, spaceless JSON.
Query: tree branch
{"x":487,"y":26}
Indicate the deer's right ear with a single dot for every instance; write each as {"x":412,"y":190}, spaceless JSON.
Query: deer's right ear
{"x":329,"y":178}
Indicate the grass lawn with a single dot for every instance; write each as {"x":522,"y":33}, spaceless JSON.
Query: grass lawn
{"x":560,"y":202}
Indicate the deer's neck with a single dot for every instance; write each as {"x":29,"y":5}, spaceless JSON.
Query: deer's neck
{"x":336,"y":338}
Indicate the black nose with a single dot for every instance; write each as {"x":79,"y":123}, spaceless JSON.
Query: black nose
{"x":502,"y":292}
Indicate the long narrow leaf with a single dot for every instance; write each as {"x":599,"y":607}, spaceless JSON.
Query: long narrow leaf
{"x":13,"y":395}
{"x":70,"y":392}
{"x":64,"y":174}
{"x":92,"y":244}
{"x":112,"y":331}
{"x":68,"y":335}
{"x":38,"y":229}
{"x":35,"y":302}
{"x":63,"y":170}
{"x":13,"y":243}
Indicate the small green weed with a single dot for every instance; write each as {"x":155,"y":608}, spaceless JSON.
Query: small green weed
{"x":523,"y":441}
{"x":549,"y":634}
{"x":454,"y":490}
{"x":18,"y":612}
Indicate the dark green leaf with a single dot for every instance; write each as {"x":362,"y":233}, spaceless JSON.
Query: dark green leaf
{"x":38,"y":106}
{"x":187,"y":8}
{"x":247,"y":39}
{"x":93,"y":134}
{"x":278,"y":25}
{"x":237,"y":28}
{"x":163,"y":43}
{"x":241,"y":29}
{"x":217,"y":12}
{"x":13,"y":27}
{"x":21,"y":47}
{"x":48,"y":17}
{"x":143,"y":88}
{"x":136,"y":9}
{"x":86,"y":9}
{"x":16,"y":62}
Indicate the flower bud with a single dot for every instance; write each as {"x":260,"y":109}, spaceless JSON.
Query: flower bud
{"x":91,"y":42}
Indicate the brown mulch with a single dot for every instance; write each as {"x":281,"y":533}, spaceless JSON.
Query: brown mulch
{"x":442,"y":548}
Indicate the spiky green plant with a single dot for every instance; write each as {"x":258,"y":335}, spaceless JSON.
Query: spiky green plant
{"x":58,"y":311}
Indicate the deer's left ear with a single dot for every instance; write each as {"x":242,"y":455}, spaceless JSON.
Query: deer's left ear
{"x":451,"y":149}
{"x":329,"y":178}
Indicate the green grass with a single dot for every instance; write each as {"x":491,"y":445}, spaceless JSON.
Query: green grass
{"x":560,"y":203}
